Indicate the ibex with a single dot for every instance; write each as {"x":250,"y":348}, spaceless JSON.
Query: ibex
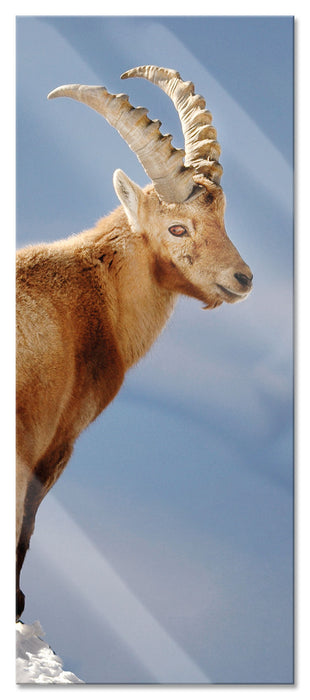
{"x":90,"y":306}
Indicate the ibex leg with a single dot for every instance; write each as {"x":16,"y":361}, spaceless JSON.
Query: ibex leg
{"x":46,"y":473}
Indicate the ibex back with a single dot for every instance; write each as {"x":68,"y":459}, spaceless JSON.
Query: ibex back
{"x":90,"y":306}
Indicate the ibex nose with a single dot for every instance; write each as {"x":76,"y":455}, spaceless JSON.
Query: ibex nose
{"x":245,"y":280}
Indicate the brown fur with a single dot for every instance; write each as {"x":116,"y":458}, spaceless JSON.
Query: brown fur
{"x":89,"y":307}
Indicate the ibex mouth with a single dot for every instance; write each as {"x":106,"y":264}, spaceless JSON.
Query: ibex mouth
{"x":231,"y":296}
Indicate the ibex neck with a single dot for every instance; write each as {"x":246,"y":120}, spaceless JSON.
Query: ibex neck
{"x":142,"y":313}
{"x":138,"y":306}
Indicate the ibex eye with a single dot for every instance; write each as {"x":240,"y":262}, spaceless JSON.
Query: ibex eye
{"x":177,"y":230}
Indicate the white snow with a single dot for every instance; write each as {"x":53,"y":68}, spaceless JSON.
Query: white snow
{"x":35,"y":660}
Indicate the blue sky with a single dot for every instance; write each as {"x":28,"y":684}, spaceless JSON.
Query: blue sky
{"x":183,"y":487}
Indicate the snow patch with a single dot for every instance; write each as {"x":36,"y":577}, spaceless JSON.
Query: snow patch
{"x":35,"y":660}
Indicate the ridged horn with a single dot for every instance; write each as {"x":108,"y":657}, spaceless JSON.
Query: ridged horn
{"x":163,"y":164}
{"x":202,"y":150}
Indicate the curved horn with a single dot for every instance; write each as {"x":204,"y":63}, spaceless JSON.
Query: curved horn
{"x":162,"y":163}
{"x":202,"y":150}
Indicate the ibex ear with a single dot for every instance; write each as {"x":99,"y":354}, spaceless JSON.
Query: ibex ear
{"x":130,"y":196}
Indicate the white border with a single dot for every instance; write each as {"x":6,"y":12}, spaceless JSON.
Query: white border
{"x":302,"y":342}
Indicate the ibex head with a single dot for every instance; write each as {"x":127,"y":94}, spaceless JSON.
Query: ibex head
{"x":181,"y":216}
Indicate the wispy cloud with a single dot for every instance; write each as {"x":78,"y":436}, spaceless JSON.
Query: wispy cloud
{"x":106,"y":594}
